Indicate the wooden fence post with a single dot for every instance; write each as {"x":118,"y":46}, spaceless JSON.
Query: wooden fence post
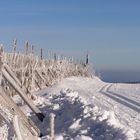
{"x":32,"y":49}
{"x":16,"y":126}
{"x":52,"y":126}
{"x":41,"y":54}
{"x":27,"y":47}
{"x":87,"y":59}
{"x":14,"y":46}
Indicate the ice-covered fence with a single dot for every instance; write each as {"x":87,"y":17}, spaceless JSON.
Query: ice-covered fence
{"x":35,"y":73}
{"x":8,"y":106}
{"x":8,"y":109}
{"x":13,"y":81}
{"x":24,"y":73}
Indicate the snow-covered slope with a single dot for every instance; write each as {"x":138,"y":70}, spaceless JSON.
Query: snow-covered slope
{"x":88,"y":108}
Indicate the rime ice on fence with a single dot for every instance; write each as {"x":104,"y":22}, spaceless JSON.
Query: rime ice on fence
{"x":24,"y":73}
{"x":35,"y":73}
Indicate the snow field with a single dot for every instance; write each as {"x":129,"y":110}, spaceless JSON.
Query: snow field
{"x":77,"y":120}
{"x":85,"y":109}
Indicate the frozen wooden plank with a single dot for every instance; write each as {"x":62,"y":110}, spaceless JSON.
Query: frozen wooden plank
{"x":19,"y":90}
{"x":11,"y":73}
{"x":15,"y":110}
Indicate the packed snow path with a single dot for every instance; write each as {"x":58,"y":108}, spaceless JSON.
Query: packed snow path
{"x":126,"y":107}
{"x":123,"y":100}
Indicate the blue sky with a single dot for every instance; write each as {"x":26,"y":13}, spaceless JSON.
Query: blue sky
{"x":109,"y":30}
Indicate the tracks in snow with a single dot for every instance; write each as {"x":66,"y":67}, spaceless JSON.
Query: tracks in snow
{"x":126,"y":109}
{"x":120,"y":98}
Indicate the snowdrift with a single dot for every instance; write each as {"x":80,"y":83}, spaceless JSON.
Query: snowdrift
{"x":76,"y":119}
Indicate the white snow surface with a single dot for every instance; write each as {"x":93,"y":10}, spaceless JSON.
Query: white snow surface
{"x":88,"y":109}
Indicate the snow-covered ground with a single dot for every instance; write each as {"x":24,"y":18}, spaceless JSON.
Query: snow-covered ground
{"x":88,"y":108}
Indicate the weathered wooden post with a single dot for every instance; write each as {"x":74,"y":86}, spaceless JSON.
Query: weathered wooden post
{"x":14,"y":46}
{"x":41,"y":54}
{"x":87,"y":59}
{"x":17,"y":128}
{"x":11,"y":73}
{"x":32,"y":49}
{"x":52,"y":116}
{"x":26,"y":47}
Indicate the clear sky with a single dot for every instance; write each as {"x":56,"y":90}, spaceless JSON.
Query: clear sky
{"x":108,"y":29}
